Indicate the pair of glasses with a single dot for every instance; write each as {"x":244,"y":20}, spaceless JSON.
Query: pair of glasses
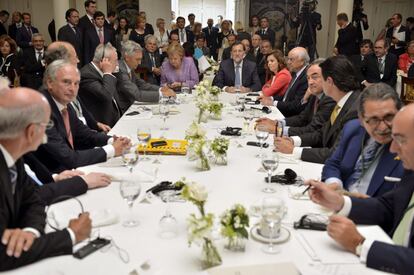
{"x":375,"y":121}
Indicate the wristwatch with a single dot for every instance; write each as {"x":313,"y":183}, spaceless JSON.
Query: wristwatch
{"x":358,"y":249}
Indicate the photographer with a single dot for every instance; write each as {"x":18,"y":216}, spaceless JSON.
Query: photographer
{"x":309,"y":21}
{"x":359,"y":19}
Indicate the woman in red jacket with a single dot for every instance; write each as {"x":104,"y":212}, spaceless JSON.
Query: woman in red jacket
{"x":407,"y":59}
{"x":277,"y":85}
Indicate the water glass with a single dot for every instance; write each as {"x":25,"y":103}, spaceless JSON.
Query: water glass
{"x":144,"y":136}
{"x":261,"y":134}
{"x":273,"y":210}
{"x":130,"y":157}
{"x":270,"y":162}
{"x":130,"y":191}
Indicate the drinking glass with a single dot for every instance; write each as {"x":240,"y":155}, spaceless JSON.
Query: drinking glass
{"x":248,"y":116}
{"x":164,"y":112}
{"x":273,"y":210}
{"x":261,"y":134}
{"x":130,"y":190}
{"x":168,"y":223}
{"x":144,"y":136}
{"x":130,"y":157}
{"x":185,"y":90}
{"x":270,"y":162}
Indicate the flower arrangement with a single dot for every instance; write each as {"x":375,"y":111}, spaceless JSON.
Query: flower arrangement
{"x":214,"y":65}
{"x":200,"y":148}
{"x":215,"y":109}
{"x":200,"y":226}
{"x":207,"y":99}
{"x":219,"y":147}
{"x":194,"y":132}
{"x":234,"y":224}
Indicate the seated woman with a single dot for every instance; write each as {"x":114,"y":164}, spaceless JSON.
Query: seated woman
{"x":407,"y":59}
{"x":8,"y":61}
{"x":277,"y":85}
{"x":178,"y":69}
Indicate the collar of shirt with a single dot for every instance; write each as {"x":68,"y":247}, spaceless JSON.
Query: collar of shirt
{"x":397,"y":29}
{"x":343,"y":100}
{"x":97,"y":29}
{"x":127,"y":67}
{"x":319,"y":96}
{"x":300,"y":71}
{"x":7,"y":157}
{"x":90,"y":17}
{"x":37,"y":51}
{"x":235,"y":64}
{"x":19,"y":25}
{"x":97,"y":69}
{"x":60,"y":106}
{"x":72,"y":26}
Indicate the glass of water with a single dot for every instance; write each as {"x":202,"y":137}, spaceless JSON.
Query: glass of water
{"x":130,"y":190}
{"x":270,"y":162}
{"x":248,"y":116}
{"x":185,"y":90}
{"x":164,"y":112}
{"x":261,"y":134}
{"x":273,"y":210}
{"x":130,"y":157}
{"x":144,"y":136}
{"x":168,"y":223}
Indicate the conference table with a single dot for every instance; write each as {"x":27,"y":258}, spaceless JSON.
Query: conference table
{"x":241,"y":181}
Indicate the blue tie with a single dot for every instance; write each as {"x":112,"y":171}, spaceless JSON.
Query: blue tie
{"x":237,"y":80}
{"x":368,"y":155}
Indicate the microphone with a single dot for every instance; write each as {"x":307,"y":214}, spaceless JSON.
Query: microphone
{"x":290,"y":175}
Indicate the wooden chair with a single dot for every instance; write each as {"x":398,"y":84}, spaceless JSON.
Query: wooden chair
{"x":407,"y":90}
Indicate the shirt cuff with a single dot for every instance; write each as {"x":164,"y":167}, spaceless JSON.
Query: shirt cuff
{"x":109,"y":74}
{"x":224,"y":88}
{"x":346,"y":209}
{"x":297,"y":152}
{"x":32,"y":230}
{"x":160,"y":93}
{"x":72,"y":235}
{"x":275,"y":103}
{"x":334,"y":180}
{"x":285,"y":131}
{"x":297,"y":141}
{"x":366,"y":246}
{"x":109,"y":150}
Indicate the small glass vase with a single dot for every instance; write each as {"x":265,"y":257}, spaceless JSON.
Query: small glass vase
{"x":209,"y":255}
{"x":214,"y":98}
{"x":220,"y":159}
{"x":236,"y":244}
{"x":203,"y":164}
{"x":191,"y":154}
{"x":215,"y":116}
{"x":202,"y":116}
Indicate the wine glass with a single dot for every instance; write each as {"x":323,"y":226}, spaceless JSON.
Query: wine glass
{"x":164,"y":111}
{"x":130,"y":190}
{"x":270,"y":162}
{"x":167,"y":223}
{"x":144,"y":136}
{"x":240,"y":100}
{"x":273,"y":210}
{"x":185,"y":90}
{"x":248,"y":116}
{"x":261,"y":134}
{"x":130,"y":157}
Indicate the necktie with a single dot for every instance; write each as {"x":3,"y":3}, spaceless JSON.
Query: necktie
{"x":65,"y":116}
{"x":182,"y":36}
{"x":29,"y":30}
{"x":381,"y":65}
{"x":316,"y":105}
{"x":367,"y":157}
{"x":13,"y":178}
{"x":237,"y":80}
{"x":152,"y":60}
{"x":101,"y":37}
{"x":290,"y":86}
{"x":74,"y":29}
{"x":401,"y":234}
{"x":209,"y":31}
{"x":39,"y":57}
{"x":334,"y":114}
{"x":263,"y":31}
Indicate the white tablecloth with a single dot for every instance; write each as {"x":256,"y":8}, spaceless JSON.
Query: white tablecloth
{"x":238,"y":182}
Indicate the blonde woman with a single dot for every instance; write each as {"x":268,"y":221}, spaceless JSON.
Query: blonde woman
{"x":161,"y":33}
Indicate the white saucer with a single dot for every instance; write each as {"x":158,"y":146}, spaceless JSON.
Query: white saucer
{"x":283,"y":237}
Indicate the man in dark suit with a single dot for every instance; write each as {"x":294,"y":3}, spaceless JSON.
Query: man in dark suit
{"x":380,"y":66}
{"x":183,"y":34}
{"x":359,"y":20}
{"x":365,"y":49}
{"x":86,"y":21}
{"x":318,"y":109}
{"x":98,"y":89}
{"x":151,"y":60}
{"x":231,"y":38}
{"x":393,"y":211}
{"x":398,"y":34}
{"x":298,"y":60}
{"x":17,"y":19}
{"x":71,"y":144}
{"x":237,"y":74}
{"x":24,"y":116}
{"x":211,"y":35}
{"x":265,"y":49}
{"x":25,"y":33}
{"x":4,"y":16}
{"x":362,"y":162}
{"x":95,"y":36}
{"x":131,"y":88}
{"x":341,"y":84}
{"x":72,"y":34}
{"x":266,"y":32}
{"x":32,"y":63}
{"x":347,"y":43}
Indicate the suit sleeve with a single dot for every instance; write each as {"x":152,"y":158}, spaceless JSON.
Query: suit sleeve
{"x":103,"y":91}
{"x":20,"y":41}
{"x":301,"y":120}
{"x":316,"y":155}
{"x":277,"y":86}
{"x":69,"y":187}
{"x":332,"y":167}
{"x":293,"y":107}
{"x":219,"y":78}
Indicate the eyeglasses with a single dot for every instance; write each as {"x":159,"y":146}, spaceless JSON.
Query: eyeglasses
{"x":375,"y":121}
{"x":400,"y":140}
{"x":49,"y":125}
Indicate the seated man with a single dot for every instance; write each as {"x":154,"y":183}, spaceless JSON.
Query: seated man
{"x":131,"y":88}
{"x":98,"y":85}
{"x":31,"y":63}
{"x":362,"y":162}
{"x":236,"y":73}
{"x":341,"y":84}
{"x":317,"y":111}
{"x":231,"y":38}
{"x":151,"y":60}
{"x":24,"y":114}
{"x":365,"y":49}
{"x":71,"y":144}
{"x":393,"y":211}
{"x":297,"y":62}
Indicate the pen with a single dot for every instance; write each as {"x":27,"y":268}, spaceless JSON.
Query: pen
{"x":306,"y":190}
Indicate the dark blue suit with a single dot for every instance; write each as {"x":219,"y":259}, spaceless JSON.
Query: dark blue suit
{"x":342,"y":162}
{"x":23,"y":37}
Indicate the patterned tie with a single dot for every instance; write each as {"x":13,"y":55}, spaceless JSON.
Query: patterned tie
{"x":13,"y":178}
{"x":368,"y":155}
{"x":402,"y":233}
{"x":101,"y":37}
{"x":237,"y":80}
{"x":152,"y":60}
{"x":334,"y":114}
{"x":39,"y":57}
{"x":381,"y":65}
{"x":65,"y":116}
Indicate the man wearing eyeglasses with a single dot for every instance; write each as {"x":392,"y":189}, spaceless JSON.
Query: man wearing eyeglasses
{"x":362,"y":162}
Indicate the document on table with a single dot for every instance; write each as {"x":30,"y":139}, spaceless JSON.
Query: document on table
{"x":263,"y":269}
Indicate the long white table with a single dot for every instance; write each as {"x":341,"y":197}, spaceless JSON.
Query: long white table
{"x":238,"y":182}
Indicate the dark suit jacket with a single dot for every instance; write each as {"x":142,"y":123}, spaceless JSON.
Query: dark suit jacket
{"x":67,"y":34}
{"x":189,"y":35}
{"x":371,"y":72}
{"x":308,"y":120}
{"x":2,"y":29}
{"x":51,"y":28}
{"x":387,"y":212}
{"x":347,"y":43}
{"x":57,"y":155}
{"x":32,"y":72}
{"x":226,"y":54}
{"x":98,"y":94}
{"x":292,"y":104}
{"x":261,"y":71}
{"x":91,"y":41}
{"x":147,"y":64}
{"x":359,"y":66}
{"x":226,"y":75}
{"x":212,"y":40}
{"x":269,"y":34}
{"x":411,"y":72}
{"x":401,"y":44}
{"x":13,"y":31}
{"x":25,"y":209}
{"x":342,"y":162}
{"x":85,"y":23}
{"x":23,"y":37}
{"x":325,"y":140}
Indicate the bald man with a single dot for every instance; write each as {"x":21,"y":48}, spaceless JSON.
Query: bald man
{"x":24,"y":116}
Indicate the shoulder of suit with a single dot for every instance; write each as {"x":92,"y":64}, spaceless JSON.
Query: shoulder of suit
{"x":353,"y":124}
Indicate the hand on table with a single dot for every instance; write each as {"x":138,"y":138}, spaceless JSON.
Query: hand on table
{"x":81,"y":226}
{"x":120,"y":144}
{"x":17,"y":241}
{"x":266,"y":100}
{"x":268,"y":123}
{"x":321,"y":194}
{"x":67,"y":174}
{"x":105,"y":128}
{"x":344,"y":232}
{"x":95,"y":180}
{"x":284,"y":145}
{"x":167,"y":92}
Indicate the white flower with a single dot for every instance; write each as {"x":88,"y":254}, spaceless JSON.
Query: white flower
{"x":197,"y":192}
